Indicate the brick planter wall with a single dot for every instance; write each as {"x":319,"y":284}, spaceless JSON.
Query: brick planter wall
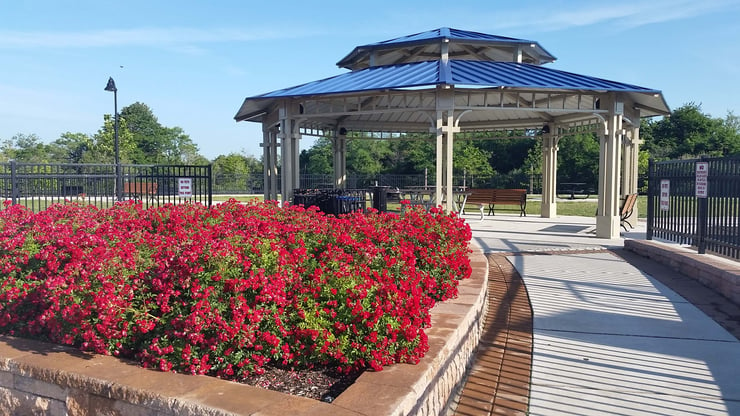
{"x":721,"y":275}
{"x":45,"y":379}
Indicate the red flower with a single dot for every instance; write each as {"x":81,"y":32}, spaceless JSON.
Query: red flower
{"x":226,"y":290}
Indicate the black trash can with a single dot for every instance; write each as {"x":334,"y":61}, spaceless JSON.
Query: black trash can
{"x":346,"y":204}
{"x":380,"y":197}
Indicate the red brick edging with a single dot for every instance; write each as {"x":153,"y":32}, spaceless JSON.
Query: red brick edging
{"x":498,"y":382}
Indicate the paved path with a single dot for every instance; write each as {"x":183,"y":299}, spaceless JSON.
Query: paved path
{"x":609,"y":338}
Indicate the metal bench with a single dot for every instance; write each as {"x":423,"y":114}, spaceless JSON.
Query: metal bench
{"x":510,"y":197}
{"x":139,"y":190}
{"x":626,"y":212}
{"x":481,"y":198}
{"x":493,"y":197}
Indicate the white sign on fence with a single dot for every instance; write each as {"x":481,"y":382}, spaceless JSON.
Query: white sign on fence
{"x":185,"y":187}
{"x":702,"y":173}
{"x":665,"y":194}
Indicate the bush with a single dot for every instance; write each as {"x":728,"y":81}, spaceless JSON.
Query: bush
{"x":226,"y":290}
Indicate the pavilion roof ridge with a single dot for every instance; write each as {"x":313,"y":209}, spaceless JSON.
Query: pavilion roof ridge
{"x":458,"y":72}
{"x":462,"y":43}
{"x":450,"y":33}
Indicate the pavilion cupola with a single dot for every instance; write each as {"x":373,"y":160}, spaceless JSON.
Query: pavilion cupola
{"x":446,"y":44}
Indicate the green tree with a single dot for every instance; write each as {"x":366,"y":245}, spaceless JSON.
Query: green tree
{"x":319,"y":158}
{"x":368,"y":157}
{"x":154,"y":143}
{"x":471,"y":160}
{"x":578,"y":159}
{"x":236,"y":164}
{"x":70,"y":148}
{"x":147,"y":135}
{"x":233,"y":172}
{"x":414,"y":156}
{"x":507,"y":154}
{"x":103,"y":147}
{"x":727,"y":143}
{"x":179,"y":148}
{"x":24,"y":148}
{"x":688,"y":132}
{"x":533,"y":162}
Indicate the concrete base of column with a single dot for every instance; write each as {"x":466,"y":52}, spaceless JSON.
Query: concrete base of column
{"x":607,"y":227}
{"x":549,"y":210}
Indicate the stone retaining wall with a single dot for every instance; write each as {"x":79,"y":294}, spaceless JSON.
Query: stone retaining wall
{"x":45,"y":379}
{"x":721,"y":275}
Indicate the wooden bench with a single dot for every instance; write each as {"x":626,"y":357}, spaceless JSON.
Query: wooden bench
{"x":139,"y":190}
{"x":627,"y":207}
{"x":510,"y":197}
{"x":480,"y":197}
{"x":493,"y":197}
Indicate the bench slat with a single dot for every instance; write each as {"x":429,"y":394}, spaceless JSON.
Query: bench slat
{"x":492,"y":197}
{"x":140,"y":188}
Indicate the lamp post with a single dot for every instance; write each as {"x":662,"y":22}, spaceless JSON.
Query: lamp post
{"x":119,"y":185}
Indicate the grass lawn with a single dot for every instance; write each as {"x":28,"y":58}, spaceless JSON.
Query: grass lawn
{"x":582,"y":208}
{"x":579,"y":208}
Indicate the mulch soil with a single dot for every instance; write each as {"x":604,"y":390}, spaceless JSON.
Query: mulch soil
{"x":319,"y":383}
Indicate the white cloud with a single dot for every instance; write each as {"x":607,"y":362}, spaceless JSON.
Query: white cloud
{"x":623,"y":15}
{"x":155,"y":37}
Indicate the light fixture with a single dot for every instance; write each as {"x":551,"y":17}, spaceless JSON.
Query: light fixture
{"x":111,"y":86}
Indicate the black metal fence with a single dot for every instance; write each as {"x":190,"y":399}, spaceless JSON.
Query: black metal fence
{"x":678,"y":212}
{"x":253,"y":183}
{"x":39,"y":185}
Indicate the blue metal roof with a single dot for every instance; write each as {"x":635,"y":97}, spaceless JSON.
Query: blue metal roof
{"x":374,"y":78}
{"x":516,"y":75}
{"x":461,"y":42}
{"x":451,"y":57}
{"x":446,"y":33}
{"x":462,"y":73}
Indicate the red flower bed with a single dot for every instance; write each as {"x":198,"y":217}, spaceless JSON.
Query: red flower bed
{"x":225,"y":290}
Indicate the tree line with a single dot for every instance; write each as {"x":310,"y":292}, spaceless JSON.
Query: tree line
{"x":687,"y":132}
{"x":142,"y":140}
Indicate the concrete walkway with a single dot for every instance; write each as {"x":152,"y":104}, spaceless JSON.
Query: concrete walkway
{"x":608,"y":337}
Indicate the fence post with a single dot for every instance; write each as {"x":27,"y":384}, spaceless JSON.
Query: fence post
{"x":209,"y":171}
{"x":651,"y":199}
{"x":702,"y":217}
{"x":14,"y":191}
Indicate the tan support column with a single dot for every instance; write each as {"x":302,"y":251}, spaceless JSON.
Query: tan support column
{"x":549,"y":173}
{"x":273,"y":165}
{"x":440,"y":153}
{"x":266,"y":162}
{"x":287,"y":154}
{"x":339,"y":148}
{"x":607,"y":218}
{"x":286,"y":176}
{"x":445,"y":134}
{"x":445,"y":138}
{"x":631,"y":162}
{"x":450,"y":131}
{"x":295,"y":158}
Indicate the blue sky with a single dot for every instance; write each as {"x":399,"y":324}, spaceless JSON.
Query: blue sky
{"x":194,"y":62}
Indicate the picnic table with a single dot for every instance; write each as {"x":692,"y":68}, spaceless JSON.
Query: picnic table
{"x":426,"y":196}
{"x":572,"y":189}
